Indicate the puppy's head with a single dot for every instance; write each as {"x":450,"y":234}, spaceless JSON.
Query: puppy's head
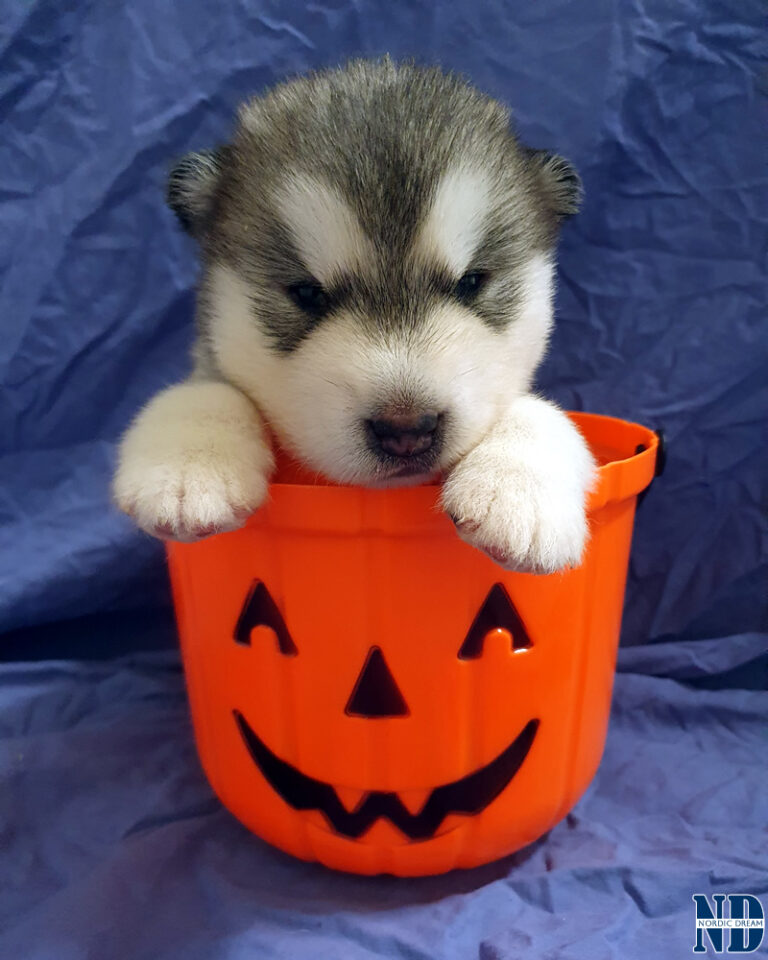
{"x":377,"y":255}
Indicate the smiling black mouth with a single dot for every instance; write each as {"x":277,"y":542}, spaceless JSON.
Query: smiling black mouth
{"x":470,"y":795}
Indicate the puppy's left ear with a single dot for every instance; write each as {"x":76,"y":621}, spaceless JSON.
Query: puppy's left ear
{"x":560,"y":183}
{"x":192,"y":186}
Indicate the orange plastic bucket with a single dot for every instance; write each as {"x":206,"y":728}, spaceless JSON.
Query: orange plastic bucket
{"x":370,"y":692}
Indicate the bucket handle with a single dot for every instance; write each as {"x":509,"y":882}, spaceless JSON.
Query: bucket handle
{"x":661,"y":461}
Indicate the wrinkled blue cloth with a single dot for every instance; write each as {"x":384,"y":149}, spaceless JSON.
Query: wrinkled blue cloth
{"x":111,"y":844}
{"x":662,"y":279}
{"x":119,"y":850}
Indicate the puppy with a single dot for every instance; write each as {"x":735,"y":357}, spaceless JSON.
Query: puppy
{"x":377,"y":275}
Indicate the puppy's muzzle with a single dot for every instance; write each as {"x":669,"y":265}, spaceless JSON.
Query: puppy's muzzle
{"x":405,"y":435}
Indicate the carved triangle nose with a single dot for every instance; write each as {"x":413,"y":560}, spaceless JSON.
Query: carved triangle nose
{"x":376,"y":693}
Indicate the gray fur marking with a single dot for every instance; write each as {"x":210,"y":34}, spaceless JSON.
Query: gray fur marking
{"x":382,"y":135}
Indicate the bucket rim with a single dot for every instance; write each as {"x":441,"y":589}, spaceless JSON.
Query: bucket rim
{"x":618,"y":478}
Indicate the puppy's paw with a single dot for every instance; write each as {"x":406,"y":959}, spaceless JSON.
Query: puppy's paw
{"x":523,"y":515}
{"x":194,"y":463}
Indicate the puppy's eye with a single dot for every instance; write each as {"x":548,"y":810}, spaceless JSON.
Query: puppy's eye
{"x":470,"y":285}
{"x":310,"y":297}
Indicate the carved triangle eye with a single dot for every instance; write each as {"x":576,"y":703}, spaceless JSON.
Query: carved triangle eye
{"x":497,"y":611}
{"x":260,"y":610}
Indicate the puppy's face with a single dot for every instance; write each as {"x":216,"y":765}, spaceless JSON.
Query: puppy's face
{"x":378,"y":266}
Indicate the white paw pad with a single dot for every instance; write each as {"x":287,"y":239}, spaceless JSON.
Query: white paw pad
{"x":521,"y":520}
{"x":194,"y":463}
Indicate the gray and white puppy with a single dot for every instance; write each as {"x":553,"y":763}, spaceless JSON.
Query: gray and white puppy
{"x":377,"y":278}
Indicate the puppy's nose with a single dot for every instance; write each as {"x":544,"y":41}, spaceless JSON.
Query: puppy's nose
{"x":405,"y":435}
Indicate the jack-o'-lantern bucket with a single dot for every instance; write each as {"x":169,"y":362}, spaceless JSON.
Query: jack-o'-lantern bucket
{"x":371,"y":692}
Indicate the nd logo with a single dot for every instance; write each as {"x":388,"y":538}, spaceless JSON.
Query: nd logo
{"x":742,"y":930}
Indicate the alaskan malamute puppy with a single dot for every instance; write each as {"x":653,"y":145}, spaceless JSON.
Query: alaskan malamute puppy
{"x":377,"y":272}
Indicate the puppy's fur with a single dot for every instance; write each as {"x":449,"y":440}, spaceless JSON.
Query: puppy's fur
{"x":374,"y":239}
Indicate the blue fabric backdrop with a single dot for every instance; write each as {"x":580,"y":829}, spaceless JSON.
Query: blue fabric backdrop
{"x":112,"y":844}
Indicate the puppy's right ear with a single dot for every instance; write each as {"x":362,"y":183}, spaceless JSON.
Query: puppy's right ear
{"x":192,"y":186}
{"x":560,"y":183}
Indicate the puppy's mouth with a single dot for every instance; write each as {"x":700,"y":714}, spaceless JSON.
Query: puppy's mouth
{"x":405,"y":475}
{"x":418,"y":463}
